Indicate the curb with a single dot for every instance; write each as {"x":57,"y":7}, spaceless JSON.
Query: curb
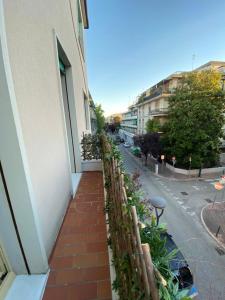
{"x":161,"y":176}
{"x":207,"y":229}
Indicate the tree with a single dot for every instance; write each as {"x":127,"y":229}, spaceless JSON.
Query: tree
{"x":149,"y":143}
{"x":152,"y":125}
{"x":112,"y":128}
{"x":195,"y":120}
{"x":116,"y":122}
{"x":99,"y":112}
{"x":117,"y":119}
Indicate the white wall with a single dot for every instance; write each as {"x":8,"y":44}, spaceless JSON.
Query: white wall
{"x":30,"y":27}
{"x":16,"y":174}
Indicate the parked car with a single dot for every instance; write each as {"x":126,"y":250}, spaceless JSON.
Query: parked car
{"x":180,"y":268}
{"x":126,"y":145}
{"x":136,"y":151}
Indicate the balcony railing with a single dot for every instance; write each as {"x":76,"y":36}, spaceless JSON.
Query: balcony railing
{"x":159,"y":111}
{"x":129,"y":125}
{"x":156,"y":93}
{"x":132,"y":117}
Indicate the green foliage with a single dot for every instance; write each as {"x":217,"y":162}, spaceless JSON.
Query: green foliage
{"x":171,"y":292}
{"x":100,"y":118}
{"x":134,"y":196}
{"x":136,"y":151}
{"x":90,"y":145}
{"x":141,"y":98}
{"x":152,"y":125}
{"x":150,"y":234}
{"x":195,"y":120}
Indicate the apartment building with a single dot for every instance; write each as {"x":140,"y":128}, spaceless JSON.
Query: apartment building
{"x":44,"y":110}
{"x":129,"y":124}
{"x":213,"y":65}
{"x":153,"y":103}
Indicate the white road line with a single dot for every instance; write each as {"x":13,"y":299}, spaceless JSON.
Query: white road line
{"x":192,"y":213}
{"x":185,"y":207}
{"x":214,"y":180}
{"x":176,"y":198}
{"x":195,"y":187}
{"x":180,"y":202}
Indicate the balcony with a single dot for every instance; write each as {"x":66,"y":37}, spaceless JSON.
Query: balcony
{"x":129,"y":125}
{"x":159,"y":111}
{"x":80,"y":262}
{"x":79,"y":265}
{"x":132,"y":117}
{"x":155,"y":93}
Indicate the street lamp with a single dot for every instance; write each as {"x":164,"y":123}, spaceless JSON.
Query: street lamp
{"x":159,"y":203}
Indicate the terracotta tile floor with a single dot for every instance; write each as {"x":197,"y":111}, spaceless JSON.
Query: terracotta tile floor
{"x":79,"y":264}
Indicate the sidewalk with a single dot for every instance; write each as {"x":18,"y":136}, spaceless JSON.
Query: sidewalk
{"x":79,"y":266}
{"x":163,"y":171}
{"x":214,"y":219}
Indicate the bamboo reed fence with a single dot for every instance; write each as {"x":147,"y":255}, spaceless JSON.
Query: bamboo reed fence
{"x":132,"y":260}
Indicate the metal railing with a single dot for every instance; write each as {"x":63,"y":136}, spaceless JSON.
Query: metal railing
{"x":158,"y":111}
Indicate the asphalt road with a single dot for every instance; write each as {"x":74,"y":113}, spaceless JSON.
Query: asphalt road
{"x":182,"y":216}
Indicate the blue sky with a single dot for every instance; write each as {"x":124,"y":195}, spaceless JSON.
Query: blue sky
{"x":133,"y":44}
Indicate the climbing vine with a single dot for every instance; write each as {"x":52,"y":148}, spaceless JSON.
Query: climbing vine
{"x":124,"y":196}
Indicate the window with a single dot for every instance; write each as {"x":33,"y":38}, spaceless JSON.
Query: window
{"x":86,"y":111}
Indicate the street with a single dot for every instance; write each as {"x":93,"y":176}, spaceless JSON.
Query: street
{"x":182,"y":216}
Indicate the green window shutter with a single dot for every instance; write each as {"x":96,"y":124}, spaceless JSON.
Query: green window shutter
{"x":62,"y":66}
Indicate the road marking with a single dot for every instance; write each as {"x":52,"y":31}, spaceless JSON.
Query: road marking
{"x":176,"y":198}
{"x":214,"y":180}
{"x":185,"y":207}
{"x":180,"y":202}
{"x":195,"y":187}
{"x":192,"y":213}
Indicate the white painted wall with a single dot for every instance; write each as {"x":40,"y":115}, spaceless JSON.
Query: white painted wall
{"x":16,"y":171}
{"x":10,"y":246}
{"x":30,"y":27}
{"x":195,"y":171}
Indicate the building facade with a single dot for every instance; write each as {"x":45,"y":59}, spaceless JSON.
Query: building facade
{"x":153,"y":103}
{"x":44,"y":110}
{"x":129,"y":124}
